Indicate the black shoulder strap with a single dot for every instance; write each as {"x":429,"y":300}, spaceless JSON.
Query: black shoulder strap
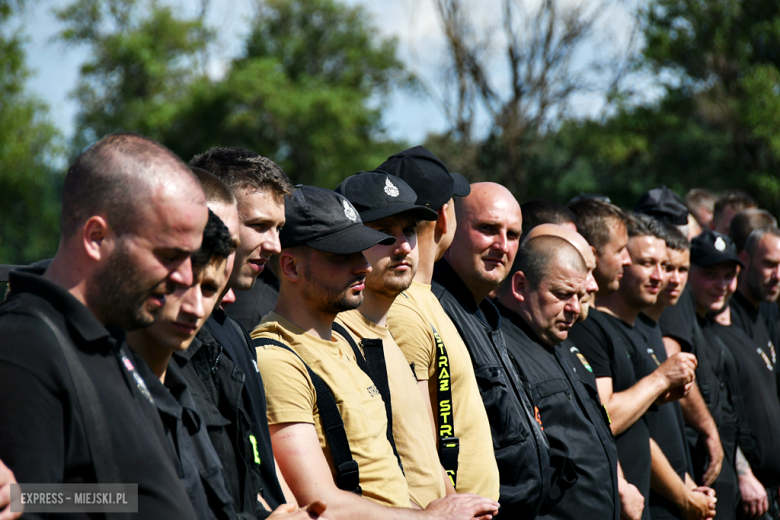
{"x":96,"y":425}
{"x":449,"y":444}
{"x":373,"y":364}
{"x":347,"y":470}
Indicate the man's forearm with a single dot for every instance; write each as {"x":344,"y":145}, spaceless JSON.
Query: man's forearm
{"x":626,"y":407}
{"x":663,"y":479}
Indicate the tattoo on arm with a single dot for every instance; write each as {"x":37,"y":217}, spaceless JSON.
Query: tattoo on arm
{"x":743,"y":467}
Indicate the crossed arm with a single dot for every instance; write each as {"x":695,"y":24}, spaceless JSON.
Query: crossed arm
{"x":302,"y":463}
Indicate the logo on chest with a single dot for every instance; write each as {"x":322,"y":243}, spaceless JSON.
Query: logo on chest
{"x":373,"y":391}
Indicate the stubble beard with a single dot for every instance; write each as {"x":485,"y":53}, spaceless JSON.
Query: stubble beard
{"x":119,"y":292}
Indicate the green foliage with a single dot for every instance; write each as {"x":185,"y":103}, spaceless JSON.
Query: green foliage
{"x":143,"y":59}
{"x":306,"y":91}
{"x":29,"y":207}
{"x":304,"y":94}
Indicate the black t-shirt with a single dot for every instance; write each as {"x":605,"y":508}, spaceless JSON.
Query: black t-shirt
{"x":665,"y":422}
{"x":603,"y":341}
{"x":682,"y":324}
{"x":678,"y":322}
{"x":43,"y":438}
{"x":250,"y":306}
{"x":760,"y":324}
{"x":573,"y":423}
{"x":759,"y":409}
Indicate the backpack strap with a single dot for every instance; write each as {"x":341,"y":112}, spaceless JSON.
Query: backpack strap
{"x":373,"y":364}
{"x":347,"y":470}
{"x":449,"y":444}
{"x":96,"y":424}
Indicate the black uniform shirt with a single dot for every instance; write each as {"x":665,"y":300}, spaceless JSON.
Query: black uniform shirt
{"x":602,"y":340}
{"x":217,"y":387}
{"x":665,"y":422}
{"x":194,"y":457}
{"x":575,"y":426}
{"x":238,"y":347}
{"x":250,"y":306}
{"x":759,"y":324}
{"x":42,"y":438}
{"x":759,"y":410}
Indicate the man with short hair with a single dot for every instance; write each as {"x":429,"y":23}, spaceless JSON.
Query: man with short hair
{"x":386,"y":203}
{"x":542,"y":211}
{"x":747,"y":221}
{"x":259,"y":187}
{"x":183,"y":314}
{"x":480,"y":257}
{"x":604,"y":227}
{"x":607,"y":339}
{"x":746,"y":369}
{"x":728,"y":204}
{"x":132,"y":214}
{"x":701,"y":203}
{"x":322,"y":272}
{"x":540,"y":301}
{"x":430,"y":340}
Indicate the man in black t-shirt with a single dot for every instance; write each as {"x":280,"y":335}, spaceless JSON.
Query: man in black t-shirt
{"x":748,"y":368}
{"x":629,"y":383}
{"x":540,"y":301}
{"x":753,"y":306}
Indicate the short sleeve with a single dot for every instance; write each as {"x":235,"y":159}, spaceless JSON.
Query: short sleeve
{"x":592,"y":342}
{"x":414,"y":337}
{"x":289,"y":392}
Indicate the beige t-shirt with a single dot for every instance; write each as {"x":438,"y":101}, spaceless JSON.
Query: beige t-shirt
{"x":292,"y":398}
{"x":410,"y":321}
{"x":410,"y":416}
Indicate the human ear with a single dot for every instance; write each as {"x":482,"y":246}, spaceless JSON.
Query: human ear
{"x":94,"y":233}
{"x":519,"y":285}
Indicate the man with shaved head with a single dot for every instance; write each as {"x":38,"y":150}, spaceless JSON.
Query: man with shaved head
{"x":479,"y":259}
{"x":74,"y":408}
{"x":540,"y":301}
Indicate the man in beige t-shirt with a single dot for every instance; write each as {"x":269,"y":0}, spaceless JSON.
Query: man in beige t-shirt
{"x":387,"y":203}
{"x":321,"y":271}
{"x":417,"y":311}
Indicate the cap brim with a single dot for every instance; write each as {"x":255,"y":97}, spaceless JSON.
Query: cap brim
{"x":420,"y":212}
{"x":462,"y":187}
{"x":709,"y":261}
{"x":354,"y":239}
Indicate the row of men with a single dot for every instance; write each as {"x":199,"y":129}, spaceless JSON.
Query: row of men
{"x":407,"y":265}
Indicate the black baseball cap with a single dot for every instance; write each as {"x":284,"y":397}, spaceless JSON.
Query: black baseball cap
{"x":663,"y":204}
{"x":377,"y":195}
{"x":427,"y":175}
{"x":710,"y":248}
{"x":324,"y":220}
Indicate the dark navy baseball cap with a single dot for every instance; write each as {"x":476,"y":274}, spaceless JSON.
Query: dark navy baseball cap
{"x":427,"y":175}
{"x":663,"y":204}
{"x":710,"y":248}
{"x":377,"y":195}
{"x":324,"y":220}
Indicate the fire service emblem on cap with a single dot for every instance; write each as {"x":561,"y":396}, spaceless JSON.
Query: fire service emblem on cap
{"x":391,"y":188}
{"x":349,"y":211}
{"x":720,"y":244}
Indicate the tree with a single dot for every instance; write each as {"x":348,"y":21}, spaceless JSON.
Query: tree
{"x":143,"y":60}
{"x":546,"y":64}
{"x":307,"y":92}
{"x":724,"y":58}
{"x":29,"y":205}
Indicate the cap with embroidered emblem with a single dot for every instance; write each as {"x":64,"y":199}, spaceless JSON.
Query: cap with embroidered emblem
{"x":377,"y":195}
{"x":427,"y":175}
{"x":711,"y":247}
{"x":324,"y":220}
